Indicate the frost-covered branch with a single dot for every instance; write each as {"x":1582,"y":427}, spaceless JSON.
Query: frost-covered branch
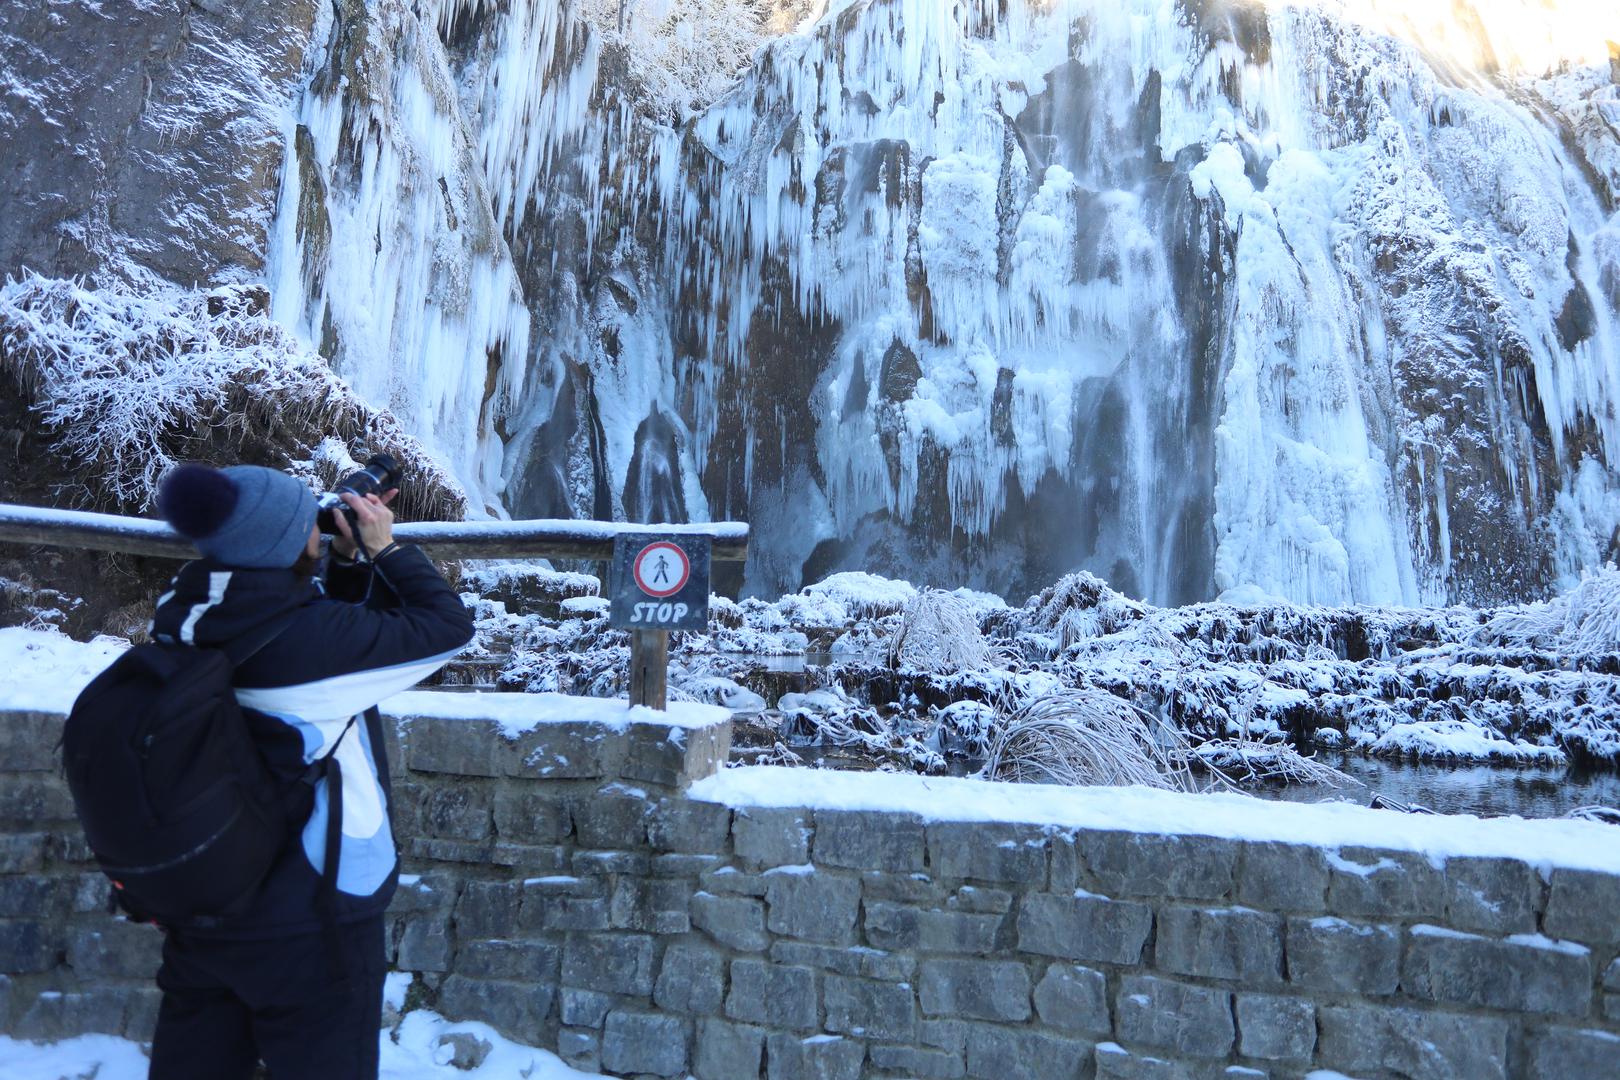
{"x":1583,"y":621}
{"x":1087,"y":736}
{"x":128,"y":384}
{"x":1248,"y":763}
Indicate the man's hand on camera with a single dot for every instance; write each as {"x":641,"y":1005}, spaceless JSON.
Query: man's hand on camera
{"x":375,"y":519}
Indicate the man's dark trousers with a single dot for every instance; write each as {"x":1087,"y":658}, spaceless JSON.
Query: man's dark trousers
{"x":227,"y":1004}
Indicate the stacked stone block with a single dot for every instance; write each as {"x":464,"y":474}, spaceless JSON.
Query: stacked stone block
{"x":566,"y":888}
{"x":844,"y":943}
{"x":66,"y":966}
{"x":836,"y":943}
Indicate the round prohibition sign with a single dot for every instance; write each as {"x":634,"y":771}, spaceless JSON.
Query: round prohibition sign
{"x":661,"y":569}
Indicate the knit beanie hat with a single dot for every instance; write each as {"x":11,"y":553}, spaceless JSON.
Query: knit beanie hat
{"x":245,"y":516}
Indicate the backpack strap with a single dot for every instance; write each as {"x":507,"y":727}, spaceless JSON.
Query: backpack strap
{"x":240,"y":650}
{"x":328,"y":767}
{"x":326,"y":899}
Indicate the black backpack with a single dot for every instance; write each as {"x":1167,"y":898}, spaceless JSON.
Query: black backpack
{"x":175,"y":799}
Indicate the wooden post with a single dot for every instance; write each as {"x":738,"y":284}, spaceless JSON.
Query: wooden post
{"x":649,"y":668}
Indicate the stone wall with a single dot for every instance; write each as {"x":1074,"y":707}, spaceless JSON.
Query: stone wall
{"x":564,"y":888}
{"x":66,"y":966}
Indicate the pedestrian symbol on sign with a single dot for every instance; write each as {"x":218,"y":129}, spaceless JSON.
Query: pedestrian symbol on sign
{"x":661,"y":569}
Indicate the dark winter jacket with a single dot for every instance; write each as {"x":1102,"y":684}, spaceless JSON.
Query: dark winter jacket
{"x":342,"y":653}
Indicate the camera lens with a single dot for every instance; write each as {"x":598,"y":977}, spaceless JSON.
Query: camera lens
{"x":381,"y":473}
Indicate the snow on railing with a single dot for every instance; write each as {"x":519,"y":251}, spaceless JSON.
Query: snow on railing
{"x":535,"y":539}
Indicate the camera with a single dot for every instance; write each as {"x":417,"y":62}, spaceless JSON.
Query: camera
{"x":381,"y":473}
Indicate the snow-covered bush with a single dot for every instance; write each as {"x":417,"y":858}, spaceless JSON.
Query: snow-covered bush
{"x":862,"y":595}
{"x":128,"y":384}
{"x":830,"y":717}
{"x":1583,"y":621}
{"x":1081,"y":735}
{"x":965,"y":727}
{"x":717,"y":690}
{"x":938,"y":632}
{"x":1081,"y":606}
{"x":1455,"y":739}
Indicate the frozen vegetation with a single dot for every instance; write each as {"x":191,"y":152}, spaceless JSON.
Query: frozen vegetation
{"x":1078,"y":686}
{"x":127,"y":381}
{"x":1083,"y":685}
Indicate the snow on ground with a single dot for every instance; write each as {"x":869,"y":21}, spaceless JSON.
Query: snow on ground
{"x":103,"y":1057}
{"x":1544,"y":844}
{"x":421,"y":1049}
{"x":46,"y":670}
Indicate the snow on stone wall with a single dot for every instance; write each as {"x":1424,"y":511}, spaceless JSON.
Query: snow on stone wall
{"x":601,"y":890}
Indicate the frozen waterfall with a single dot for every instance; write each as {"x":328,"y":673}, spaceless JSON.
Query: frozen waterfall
{"x":1320,"y":302}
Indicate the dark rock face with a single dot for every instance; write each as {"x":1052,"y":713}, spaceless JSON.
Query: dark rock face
{"x":144,"y":137}
{"x":81,"y":593}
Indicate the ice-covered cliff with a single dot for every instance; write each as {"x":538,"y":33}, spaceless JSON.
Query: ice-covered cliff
{"x":1318,"y":300}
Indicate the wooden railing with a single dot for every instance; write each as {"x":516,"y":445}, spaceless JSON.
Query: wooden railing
{"x":540,"y":539}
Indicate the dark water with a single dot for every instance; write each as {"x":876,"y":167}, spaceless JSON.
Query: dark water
{"x":793,"y":663}
{"x":1463,"y":789}
{"x":1467,"y":789}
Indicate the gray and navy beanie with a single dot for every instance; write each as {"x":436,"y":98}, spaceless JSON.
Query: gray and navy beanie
{"x":245,"y":516}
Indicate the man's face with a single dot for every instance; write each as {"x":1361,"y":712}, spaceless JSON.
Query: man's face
{"x":310,"y":560}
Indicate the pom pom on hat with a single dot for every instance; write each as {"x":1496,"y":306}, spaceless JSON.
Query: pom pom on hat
{"x":246,"y":516}
{"x":197,"y":500}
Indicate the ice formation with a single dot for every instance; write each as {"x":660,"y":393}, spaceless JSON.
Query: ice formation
{"x":1317,"y":302}
{"x":388,"y":249}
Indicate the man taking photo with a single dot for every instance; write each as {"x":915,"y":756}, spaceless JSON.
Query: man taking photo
{"x":295,"y":977}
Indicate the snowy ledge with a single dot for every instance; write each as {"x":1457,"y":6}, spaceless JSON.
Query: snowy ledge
{"x":47,"y":670}
{"x":1543,"y":844}
{"x":557,"y":737}
{"x":516,"y":714}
